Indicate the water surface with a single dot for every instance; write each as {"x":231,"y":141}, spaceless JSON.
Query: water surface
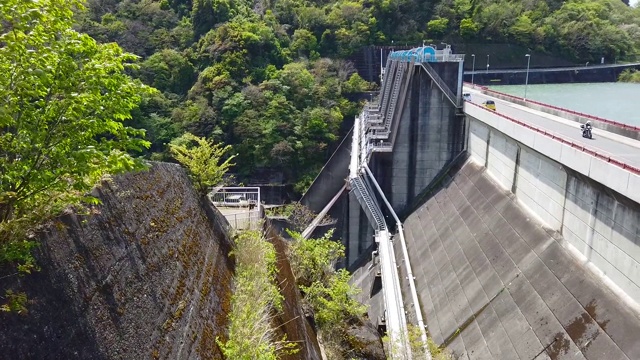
{"x":614,"y":101}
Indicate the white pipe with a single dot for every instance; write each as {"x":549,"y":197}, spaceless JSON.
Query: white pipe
{"x":405,"y":253}
{"x":314,"y":224}
{"x":355,"y":149}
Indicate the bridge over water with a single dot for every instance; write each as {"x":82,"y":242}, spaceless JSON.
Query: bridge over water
{"x":503,"y":235}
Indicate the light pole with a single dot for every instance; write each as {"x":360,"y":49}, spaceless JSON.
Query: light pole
{"x":487,"y":63}
{"x":526,"y":81}
{"x":473,"y":67}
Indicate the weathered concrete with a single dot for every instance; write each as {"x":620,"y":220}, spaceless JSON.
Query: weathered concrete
{"x":604,"y":228}
{"x":331,"y":178}
{"x":144,"y":275}
{"x":600,"y":224}
{"x":360,"y":235}
{"x":607,"y":173}
{"x":366,"y":276}
{"x":493,"y":284}
{"x":291,"y":321}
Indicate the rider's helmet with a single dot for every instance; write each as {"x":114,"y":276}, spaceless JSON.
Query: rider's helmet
{"x":588,"y":124}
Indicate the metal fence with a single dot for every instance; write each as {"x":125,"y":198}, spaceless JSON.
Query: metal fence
{"x":239,"y":205}
{"x":244,"y":220}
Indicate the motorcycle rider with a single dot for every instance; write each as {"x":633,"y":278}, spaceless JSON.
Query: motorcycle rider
{"x":586,"y":129}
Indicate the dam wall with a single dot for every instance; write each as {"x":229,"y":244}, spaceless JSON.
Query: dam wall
{"x":495,"y":282}
{"x":331,"y":178}
{"x":430,"y":134}
{"x":600,"y":224}
{"x":144,"y":275}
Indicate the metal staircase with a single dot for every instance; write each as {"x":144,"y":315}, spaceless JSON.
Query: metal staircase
{"x":375,"y":130}
{"x":392,"y":67}
{"x":368,"y":203}
{"x":382,"y":132}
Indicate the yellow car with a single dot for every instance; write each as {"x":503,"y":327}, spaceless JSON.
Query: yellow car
{"x":490,"y":104}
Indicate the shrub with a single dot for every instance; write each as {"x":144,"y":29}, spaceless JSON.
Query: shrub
{"x":256,"y":298}
{"x":202,"y":158}
{"x":629,"y":75}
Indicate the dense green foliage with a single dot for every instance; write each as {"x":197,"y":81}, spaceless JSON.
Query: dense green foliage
{"x":63,"y":100}
{"x":327,"y":290}
{"x":270,"y":79}
{"x":629,"y":76}
{"x":235,"y":73}
{"x":203,"y":160}
{"x":255,"y":298}
{"x":314,"y":260}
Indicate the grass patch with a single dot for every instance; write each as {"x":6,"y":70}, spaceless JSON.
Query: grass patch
{"x":255,"y":301}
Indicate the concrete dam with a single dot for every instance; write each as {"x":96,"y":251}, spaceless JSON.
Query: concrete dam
{"x":497,"y":238}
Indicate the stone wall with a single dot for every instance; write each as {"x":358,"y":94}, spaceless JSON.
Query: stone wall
{"x":144,"y":275}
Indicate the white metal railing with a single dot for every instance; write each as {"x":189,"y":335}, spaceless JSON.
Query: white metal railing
{"x":405,"y":253}
{"x":235,"y":196}
{"x":243,"y":220}
{"x":239,"y":205}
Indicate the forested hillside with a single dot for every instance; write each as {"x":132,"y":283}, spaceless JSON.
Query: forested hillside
{"x":270,"y":77}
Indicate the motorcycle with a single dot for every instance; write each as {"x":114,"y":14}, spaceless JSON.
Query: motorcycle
{"x":586,"y":130}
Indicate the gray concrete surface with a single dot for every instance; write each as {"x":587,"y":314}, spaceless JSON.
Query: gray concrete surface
{"x":330,"y":179}
{"x":494,"y":284}
{"x":599,"y":224}
{"x":598,"y":168}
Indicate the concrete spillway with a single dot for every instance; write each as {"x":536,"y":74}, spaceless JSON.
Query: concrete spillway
{"x":493,"y":284}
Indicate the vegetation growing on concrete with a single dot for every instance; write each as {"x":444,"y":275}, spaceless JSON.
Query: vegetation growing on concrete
{"x":328,"y":291}
{"x":298,"y":215}
{"x":255,"y":299}
{"x":629,"y":75}
{"x":417,"y":346}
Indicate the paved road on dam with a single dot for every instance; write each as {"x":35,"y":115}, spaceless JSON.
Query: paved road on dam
{"x":619,"y":147}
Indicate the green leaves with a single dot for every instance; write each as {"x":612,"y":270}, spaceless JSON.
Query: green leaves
{"x":256,"y":298}
{"x":202,"y":160}
{"x":327,"y":290}
{"x":63,"y":100}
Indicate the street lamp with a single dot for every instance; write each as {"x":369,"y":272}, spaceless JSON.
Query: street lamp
{"x":473,"y":67}
{"x":487,"y":63}
{"x":526,"y":81}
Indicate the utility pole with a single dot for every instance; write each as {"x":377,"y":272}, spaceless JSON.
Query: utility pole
{"x":473,"y":67}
